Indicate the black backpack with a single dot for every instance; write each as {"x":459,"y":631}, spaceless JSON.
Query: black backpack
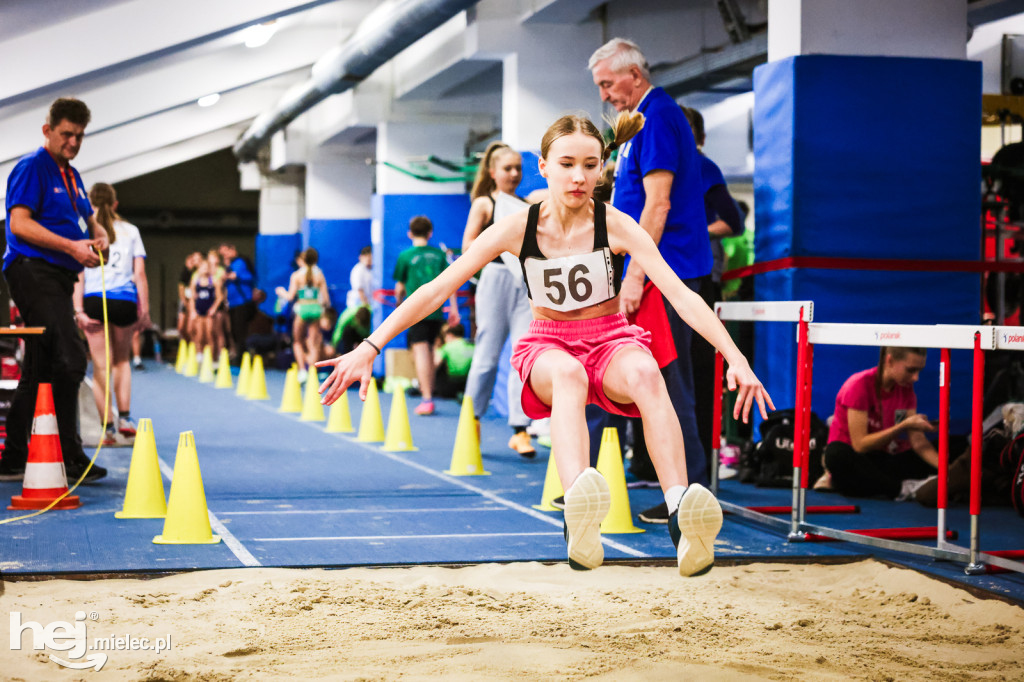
{"x":771,"y":462}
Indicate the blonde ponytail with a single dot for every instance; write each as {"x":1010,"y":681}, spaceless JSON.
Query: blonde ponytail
{"x":624,"y":127}
{"x":102,"y":197}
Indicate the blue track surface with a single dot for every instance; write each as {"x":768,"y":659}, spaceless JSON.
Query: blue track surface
{"x":282,"y":492}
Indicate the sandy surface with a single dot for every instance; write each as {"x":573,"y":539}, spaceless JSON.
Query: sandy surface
{"x":529,"y":621}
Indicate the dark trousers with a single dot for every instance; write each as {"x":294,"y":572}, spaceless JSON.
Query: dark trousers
{"x":446,"y":385}
{"x":702,"y":360}
{"x":240,"y":316}
{"x":873,"y":473}
{"x":42,"y":293}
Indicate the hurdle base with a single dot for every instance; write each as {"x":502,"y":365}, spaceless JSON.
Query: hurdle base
{"x":21,"y":502}
{"x":812,"y":509}
{"x":921,"y":533}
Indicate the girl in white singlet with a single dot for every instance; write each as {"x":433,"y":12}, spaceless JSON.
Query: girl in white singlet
{"x":580,"y":349}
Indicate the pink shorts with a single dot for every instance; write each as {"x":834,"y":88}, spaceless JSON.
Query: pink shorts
{"x":593,"y":342}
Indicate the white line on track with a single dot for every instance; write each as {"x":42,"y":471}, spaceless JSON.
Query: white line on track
{"x":408,"y":537}
{"x":232,"y":543}
{"x":450,"y":479}
{"x":249,"y":512}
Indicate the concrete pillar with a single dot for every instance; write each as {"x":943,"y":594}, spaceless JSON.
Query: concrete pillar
{"x":281,"y":211}
{"x":866,"y":143}
{"x":337,"y":223}
{"x":399,"y":196}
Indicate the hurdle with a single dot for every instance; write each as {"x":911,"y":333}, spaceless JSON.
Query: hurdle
{"x":802,"y":313}
{"x":943,"y":337}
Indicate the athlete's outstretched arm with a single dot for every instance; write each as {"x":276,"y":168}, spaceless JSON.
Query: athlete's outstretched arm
{"x":625,"y":235}
{"x":357,"y":365}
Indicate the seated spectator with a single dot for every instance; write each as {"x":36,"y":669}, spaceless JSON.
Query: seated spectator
{"x":453,"y":359}
{"x":353,"y":326}
{"x":877,"y":445}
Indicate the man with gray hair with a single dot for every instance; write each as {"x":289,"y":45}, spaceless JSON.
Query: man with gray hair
{"x":658,"y":184}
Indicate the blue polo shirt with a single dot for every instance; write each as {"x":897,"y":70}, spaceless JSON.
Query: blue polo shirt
{"x":666,"y":143}
{"x":36,"y":184}
{"x":239,"y":290}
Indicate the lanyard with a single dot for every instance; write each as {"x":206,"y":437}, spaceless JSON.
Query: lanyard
{"x":74,"y":195}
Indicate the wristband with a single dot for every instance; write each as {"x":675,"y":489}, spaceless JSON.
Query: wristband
{"x":372,"y":345}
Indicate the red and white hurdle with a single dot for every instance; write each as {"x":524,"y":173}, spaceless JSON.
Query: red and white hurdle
{"x":801,"y":313}
{"x":942,"y":337}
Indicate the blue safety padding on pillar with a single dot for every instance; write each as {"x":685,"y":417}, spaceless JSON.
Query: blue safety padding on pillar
{"x":275,"y":264}
{"x":866,"y":157}
{"x":863,"y":296}
{"x":392,"y":213}
{"x":338,"y":243}
{"x":532,"y":179}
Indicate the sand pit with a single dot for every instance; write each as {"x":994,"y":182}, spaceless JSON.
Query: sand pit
{"x":863,"y":620}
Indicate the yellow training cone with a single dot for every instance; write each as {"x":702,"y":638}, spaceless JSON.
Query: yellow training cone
{"x":312,"y":410}
{"x":244,"y":372}
{"x":144,"y":495}
{"x":188,"y":520}
{"x":206,"y":375}
{"x":340,"y":418}
{"x":399,"y":437}
{"x":182,"y":361}
{"x":257,"y":381}
{"x":371,"y":424}
{"x":191,"y":361}
{"x":609,"y":465}
{"x":223,"y":370}
{"x":466,"y":459}
{"x":552,"y":487}
{"x":291,"y":399}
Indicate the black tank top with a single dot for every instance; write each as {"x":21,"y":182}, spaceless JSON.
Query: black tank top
{"x":494,"y":205}
{"x":531,"y":250}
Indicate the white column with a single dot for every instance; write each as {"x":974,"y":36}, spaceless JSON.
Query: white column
{"x":338,"y":186}
{"x":891,"y":28}
{"x":281,"y":207}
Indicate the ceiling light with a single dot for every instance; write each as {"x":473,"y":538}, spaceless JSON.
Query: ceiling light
{"x":258,"y":34}
{"x":208,"y":100}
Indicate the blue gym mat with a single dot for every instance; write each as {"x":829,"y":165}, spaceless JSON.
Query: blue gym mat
{"x":282,"y":492}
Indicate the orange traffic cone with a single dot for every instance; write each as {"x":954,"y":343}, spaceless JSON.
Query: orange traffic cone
{"x":45,"y":480}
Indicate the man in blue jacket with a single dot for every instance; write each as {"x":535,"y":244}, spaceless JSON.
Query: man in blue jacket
{"x":239,"y":285}
{"x":658,"y":184}
{"x":51,"y":236}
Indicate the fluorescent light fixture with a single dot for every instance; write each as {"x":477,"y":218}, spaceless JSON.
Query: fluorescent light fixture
{"x":208,"y":100}
{"x":258,"y":34}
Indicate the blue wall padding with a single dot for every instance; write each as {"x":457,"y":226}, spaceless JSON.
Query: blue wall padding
{"x":275,"y":263}
{"x":338,"y":243}
{"x":869,"y":157}
{"x":862,"y":297}
{"x":393,"y":212}
{"x":532,"y":179}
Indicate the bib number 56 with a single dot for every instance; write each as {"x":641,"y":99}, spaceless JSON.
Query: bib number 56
{"x":579,"y":287}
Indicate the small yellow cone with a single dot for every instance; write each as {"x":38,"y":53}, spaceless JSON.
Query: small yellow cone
{"x":552,"y":487}
{"x":244,"y":372}
{"x":371,"y":424}
{"x":466,"y":458}
{"x":312,"y":410}
{"x":191,"y":361}
{"x":223,"y":370}
{"x":182,"y":361}
{"x":340,"y":418}
{"x":144,"y":494}
{"x":188,"y":519}
{"x":257,"y":381}
{"x":399,"y":436}
{"x":291,"y":399}
{"x":609,"y":465}
{"x":206,"y":375}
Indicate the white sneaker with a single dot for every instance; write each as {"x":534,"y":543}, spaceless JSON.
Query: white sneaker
{"x":539,"y":427}
{"x":910,"y":487}
{"x":694,"y":528}
{"x":586,"y":504}
{"x":301,"y":375}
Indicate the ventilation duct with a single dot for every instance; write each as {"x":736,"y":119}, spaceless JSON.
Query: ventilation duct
{"x":384,"y":33}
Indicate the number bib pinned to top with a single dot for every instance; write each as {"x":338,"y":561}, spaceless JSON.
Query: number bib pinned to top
{"x":571,"y":282}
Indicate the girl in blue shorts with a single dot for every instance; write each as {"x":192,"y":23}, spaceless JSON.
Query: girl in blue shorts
{"x":579,"y":348}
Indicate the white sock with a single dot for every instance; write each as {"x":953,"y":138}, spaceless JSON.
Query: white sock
{"x":672,"y":497}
